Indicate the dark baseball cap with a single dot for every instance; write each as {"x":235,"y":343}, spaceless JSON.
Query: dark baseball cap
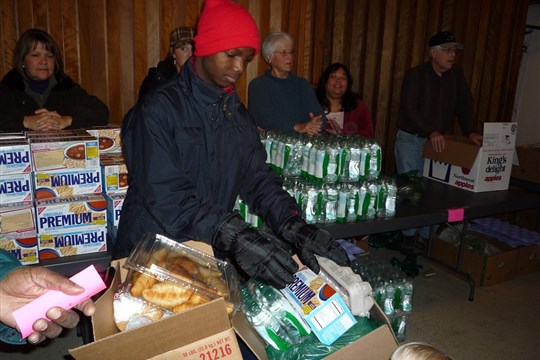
{"x":445,"y":39}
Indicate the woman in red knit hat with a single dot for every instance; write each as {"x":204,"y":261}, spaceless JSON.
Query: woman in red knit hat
{"x":191,"y":148}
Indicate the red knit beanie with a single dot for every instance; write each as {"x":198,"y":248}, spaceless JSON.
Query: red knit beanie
{"x":225,"y":25}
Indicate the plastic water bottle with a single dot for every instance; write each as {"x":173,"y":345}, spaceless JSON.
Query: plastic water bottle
{"x":388,"y":303}
{"x":331,"y":165}
{"x":353,"y":202}
{"x":406,"y":296}
{"x":375,"y":160}
{"x":331,"y":203}
{"x":306,"y":150}
{"x":354,"y":164}
{"x":365,"y":162}
{"x":311,"y":204}
{"x":343,"y":195}
{"x":390,"y":205}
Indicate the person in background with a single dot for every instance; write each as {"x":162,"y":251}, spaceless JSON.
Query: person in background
{"x":280,"y":100}
{"x":180,"y":49}
{"x":432,"y":96}
{"x":191,"y":148}
{"x":37,"y":95}
{"x":20,"y":285}
{"x":418,"y":351}
{"x":345,"y":111}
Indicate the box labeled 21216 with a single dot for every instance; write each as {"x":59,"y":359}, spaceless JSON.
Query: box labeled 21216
{"x":464,"y":165}
{"x":203,"y":332}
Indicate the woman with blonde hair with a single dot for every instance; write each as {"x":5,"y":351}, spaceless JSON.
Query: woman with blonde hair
{"x":418,"y":351}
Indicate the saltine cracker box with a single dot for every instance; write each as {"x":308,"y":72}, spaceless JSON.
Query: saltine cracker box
{"x":464,"y":165}
{"x":18,"y":231}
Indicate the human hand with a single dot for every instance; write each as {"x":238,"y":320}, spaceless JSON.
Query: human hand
{"x":45,"y":120}
{"x":312,"y":127}
{"x":437,"y":141}
{"x":23,"y":285}
{"x":256,"y":254}
{"x":476,"y":138}
{"x":308,"y":240}
{"x":333,"y":127}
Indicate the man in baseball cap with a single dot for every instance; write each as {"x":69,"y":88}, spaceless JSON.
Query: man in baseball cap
{"x":433,"y":95}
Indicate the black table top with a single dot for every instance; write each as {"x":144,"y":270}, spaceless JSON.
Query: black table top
{"x":432,"y":208}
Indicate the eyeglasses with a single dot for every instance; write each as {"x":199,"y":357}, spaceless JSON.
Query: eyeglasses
{"x":450,"y":50}
{"x":285,"y":52}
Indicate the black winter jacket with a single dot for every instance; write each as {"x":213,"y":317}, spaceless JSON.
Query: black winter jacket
{"x":66,"y":97}
{"x":157,"y":76}
{"x":191,"y":148}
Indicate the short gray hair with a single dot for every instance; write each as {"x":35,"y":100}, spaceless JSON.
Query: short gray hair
{"x":272,"y":40}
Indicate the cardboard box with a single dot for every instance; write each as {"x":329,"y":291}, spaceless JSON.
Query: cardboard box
{"x":528,"y":259}
{"x":109,"y":138}
{"x":467,"y":166}
{"x":73,"y":212}
{"x":71,"y":242}
{"x":17,"y":220}
{"x":16,"y":188}
{"x":15,"y":157}
{"x":193,"y":332}
{"x":485,"y":270}
{"x":50,"y":153}
{"x":67,"y":182}
{"x":528,"y":157}
{"x":24,"y":249}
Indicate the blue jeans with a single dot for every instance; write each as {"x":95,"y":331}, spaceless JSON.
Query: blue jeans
{"x":408,"y":152}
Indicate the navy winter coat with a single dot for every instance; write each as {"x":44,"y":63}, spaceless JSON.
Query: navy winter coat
{"x":191,"y":148}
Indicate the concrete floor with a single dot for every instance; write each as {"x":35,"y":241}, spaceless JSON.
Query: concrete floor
{"x":503,"y":322}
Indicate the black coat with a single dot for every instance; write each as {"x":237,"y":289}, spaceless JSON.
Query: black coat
{"x":66,"y":97}
{"x":157,"y":76}
{"x":191,"y":148}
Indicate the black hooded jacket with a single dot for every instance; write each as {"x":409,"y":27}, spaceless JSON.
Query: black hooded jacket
{"x":66,"y":97}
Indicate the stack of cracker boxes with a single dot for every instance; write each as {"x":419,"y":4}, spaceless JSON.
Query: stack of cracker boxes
{"x":68,"y":197}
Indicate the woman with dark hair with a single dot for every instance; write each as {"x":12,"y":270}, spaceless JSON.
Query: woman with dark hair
{"x":345,"y":112}
{"x":37,"y":95}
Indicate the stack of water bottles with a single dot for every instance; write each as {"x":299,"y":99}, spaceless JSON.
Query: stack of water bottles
{"x":332,"y":178}
{"x":392,"y":290}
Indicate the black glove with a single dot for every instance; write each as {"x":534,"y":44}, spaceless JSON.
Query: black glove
{"x":254,"y":253}
{"x":308,"y":240}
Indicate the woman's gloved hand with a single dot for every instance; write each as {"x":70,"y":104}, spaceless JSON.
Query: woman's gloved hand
{"x":308,"y":240}
{"x":256,"y":254}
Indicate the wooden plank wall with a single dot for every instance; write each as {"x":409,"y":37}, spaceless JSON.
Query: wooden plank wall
{"x":108,"y":45}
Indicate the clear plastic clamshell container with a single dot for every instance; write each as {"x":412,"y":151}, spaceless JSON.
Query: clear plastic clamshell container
{"x":176,"y":277}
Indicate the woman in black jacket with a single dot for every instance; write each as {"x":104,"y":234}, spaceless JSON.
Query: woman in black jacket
{"x":37,"y":95}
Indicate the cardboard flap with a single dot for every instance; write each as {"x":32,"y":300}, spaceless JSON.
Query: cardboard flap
{"x":164,"y":335}
{"x":458,"y":151}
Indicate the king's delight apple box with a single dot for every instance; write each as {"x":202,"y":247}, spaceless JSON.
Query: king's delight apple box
{"x":467,"y":166}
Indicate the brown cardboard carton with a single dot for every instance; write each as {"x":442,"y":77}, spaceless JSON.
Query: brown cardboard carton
{"x":485,"y":270}
{"x":529,"y":163}
{"x":187,"y":335}
{"x":528,"y":259}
